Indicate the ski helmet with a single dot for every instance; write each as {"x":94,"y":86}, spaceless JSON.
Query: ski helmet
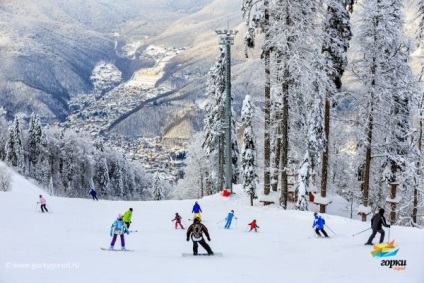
{"x":120,"y":216}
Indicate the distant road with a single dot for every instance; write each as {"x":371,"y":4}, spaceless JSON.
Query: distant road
{"x":140,"y":106}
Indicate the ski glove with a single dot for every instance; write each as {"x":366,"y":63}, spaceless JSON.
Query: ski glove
{"x":111,"y":234}
{"x":188,"y":239}
{"x":209,"y":239}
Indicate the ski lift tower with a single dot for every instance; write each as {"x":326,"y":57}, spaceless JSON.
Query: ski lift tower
{"x":226,"y":37}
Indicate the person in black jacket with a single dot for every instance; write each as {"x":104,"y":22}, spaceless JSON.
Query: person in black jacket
{"x":376,"y":224}
{"x":195,"y":231}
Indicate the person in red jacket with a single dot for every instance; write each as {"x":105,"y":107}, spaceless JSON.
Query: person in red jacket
{"x":177,"y":220}
{"x":253,"y":225}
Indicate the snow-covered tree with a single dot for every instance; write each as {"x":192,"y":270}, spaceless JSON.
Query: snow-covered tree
{"x":383,"y":97}
{"x":158,"y":187}
{"x":193,"y":185}
{"x":248,"y":156}
{"x":336,"y":37}
{"x":259,"y":16}
{"x":14,"y":146}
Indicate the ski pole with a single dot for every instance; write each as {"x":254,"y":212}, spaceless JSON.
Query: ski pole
{"x":221,"y":221}
{"x":133,"y":231}
{"x":360,"y":232}
{"x":389,"y":236}
{"x":236,"y":222}
{"x":36,"y":205}
{"x":331,"y":230}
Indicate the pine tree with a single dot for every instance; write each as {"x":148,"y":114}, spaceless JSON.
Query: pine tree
{"x":337,"y":34}
{"x":213,"y":130}
{"x":258,"y":16}
{"x":384,"y":96}
{"x":158,"y":187}
{"x":248,"y":157}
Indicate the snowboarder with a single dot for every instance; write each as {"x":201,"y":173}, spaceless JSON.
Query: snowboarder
{"x":93,"y":194}
{"x":197,"y":211}
{"x":177,"y":220}
{"x":319,"y":223}
{"x":118,"y":228}
{"x":42,"y":202}
{"x":127,"y":217}
{"x":377,"y":222}
{"x":253,"y":225}
{"x":229,"y":219}
{"x":195,"y":231}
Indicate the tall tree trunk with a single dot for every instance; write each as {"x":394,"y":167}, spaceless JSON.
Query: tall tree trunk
{"x":267,"y":93}
{"x":277,"y":149}
{"x":366,"y":183}
{"x":284,"y":140}
{"x":418,"y":165}
{"x":324,"y":168}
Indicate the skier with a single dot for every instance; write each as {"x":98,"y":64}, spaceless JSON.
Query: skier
{"x":177,"y":220}
{"x":195,"y":231}
{"x":319,"y":223}
{"x":42,"y":202}
{"x":93,"y":194}
{"x":377,"y":222}
{"x":127,"y":217}
{"x":118,"y":228}
{"x":253,"y":225}
{"x":229,"y":219}
{"x":197,"y":211}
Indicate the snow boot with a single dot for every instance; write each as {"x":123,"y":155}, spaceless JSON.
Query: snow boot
{"x":111,"y":248}
{"x":123,"y":249}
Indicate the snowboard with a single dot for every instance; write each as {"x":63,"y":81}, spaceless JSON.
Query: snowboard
{"x":117,"y":250}
{"x":201,"y":254}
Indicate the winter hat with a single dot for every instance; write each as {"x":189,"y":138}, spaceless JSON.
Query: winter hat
{"x":381,"y":211}
{"x":176,"y":213}
{"x":315,"y":213}
{"x":232,"y":211}
{"x":120,"y":216}
{"x":131,"y":209}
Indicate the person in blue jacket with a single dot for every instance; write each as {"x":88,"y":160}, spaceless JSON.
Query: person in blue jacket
{"x":118,"y":228}
{"x":318,"y":224}
{"x":93,"y":194}
{"x":197,"y":211}
{"x":229,"y":219}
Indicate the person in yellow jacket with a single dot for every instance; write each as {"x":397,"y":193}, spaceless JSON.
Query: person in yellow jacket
{"x":127,"y":217}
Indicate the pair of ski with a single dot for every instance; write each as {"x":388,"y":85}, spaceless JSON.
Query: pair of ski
{"x":184,"y":254}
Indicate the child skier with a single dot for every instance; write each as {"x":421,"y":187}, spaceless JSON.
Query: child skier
{"x":319,"y":223}
{"x":118,"y":228}
{"x":197,"y":211}
{"x":42,"y":202}
{"x":229,"y":219}
{"x":195,"y":231}
{"x":128,"y":217}
{"x":177,"y":220}
{"x":253,"y":225}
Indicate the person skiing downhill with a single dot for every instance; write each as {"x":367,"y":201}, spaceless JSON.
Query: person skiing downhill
{"x":253,"y":226}
{"x":118,"y":228}
{"x":93,"y":194}
{"x":127,"y":217}
{"x":197,"y":211}
{"x":377,"y":222}
{"x":229,"y":219}
{"x":319,"y":223}
{"x":195,"y":232}
{"x":42,"y":202}
{"x":177,"y":220}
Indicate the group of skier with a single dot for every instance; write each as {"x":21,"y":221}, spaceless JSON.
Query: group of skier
{"x":196,"y":230}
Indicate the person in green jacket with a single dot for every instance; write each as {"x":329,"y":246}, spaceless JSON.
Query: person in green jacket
{"x":127,"y":217}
